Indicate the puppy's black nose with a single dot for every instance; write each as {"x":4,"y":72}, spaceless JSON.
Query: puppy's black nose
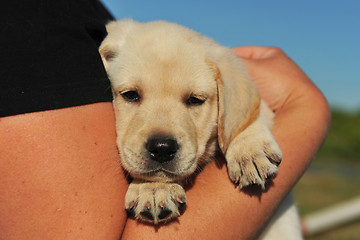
{"x":162,"y":149}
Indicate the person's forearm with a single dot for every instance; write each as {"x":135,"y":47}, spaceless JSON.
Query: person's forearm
{"x":60,"y":176}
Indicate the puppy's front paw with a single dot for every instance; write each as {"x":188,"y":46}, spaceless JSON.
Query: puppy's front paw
{"x":155,"y":202}
{"x":253,"y":159}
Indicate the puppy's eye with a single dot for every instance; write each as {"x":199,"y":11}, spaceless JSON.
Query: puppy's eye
{"x":195,"y":101}
{"x":131,"y":96}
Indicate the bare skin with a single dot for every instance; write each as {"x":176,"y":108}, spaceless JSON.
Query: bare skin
{"x":61,"y":178}
{"x":60,"y":175}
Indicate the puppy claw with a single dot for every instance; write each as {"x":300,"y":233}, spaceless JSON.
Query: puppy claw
{"x":276,"y":160}
{"x":131,"y":205}
{"x":147,"y":205}
{"x":178,"y":199}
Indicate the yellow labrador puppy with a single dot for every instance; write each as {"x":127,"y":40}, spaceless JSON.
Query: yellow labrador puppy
{"x":178,"y":97}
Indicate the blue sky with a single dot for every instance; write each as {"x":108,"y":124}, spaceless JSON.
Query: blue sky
{"x":323,"y":37}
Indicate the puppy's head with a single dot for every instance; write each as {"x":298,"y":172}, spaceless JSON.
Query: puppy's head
{"x":176,"y":94}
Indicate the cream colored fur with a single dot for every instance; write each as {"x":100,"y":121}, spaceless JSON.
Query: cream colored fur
{"x":170,"y":81}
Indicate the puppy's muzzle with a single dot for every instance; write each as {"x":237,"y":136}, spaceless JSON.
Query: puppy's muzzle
{"x":162,"y":149}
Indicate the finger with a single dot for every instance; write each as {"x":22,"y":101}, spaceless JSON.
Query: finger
{"x":256,"y":52}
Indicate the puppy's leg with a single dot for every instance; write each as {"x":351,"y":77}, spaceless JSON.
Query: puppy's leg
{"x":155,"y":202}
{"x":253,"y":156}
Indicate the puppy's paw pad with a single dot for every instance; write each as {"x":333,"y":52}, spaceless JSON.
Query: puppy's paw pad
{"x":155,"y":202}
{"x":164,"y":213}
{"x":146,"y":214}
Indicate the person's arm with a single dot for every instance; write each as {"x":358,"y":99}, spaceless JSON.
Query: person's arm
{"x":60,"y":175}
{"x":216,"y":209}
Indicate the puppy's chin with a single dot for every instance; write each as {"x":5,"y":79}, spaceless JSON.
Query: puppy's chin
{"x":159,"y":176}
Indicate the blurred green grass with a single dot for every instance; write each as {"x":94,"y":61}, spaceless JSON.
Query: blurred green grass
{"x":343,"y":140}
{"x":334,"y":175}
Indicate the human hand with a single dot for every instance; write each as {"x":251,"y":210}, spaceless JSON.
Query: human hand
{"x":279,"y":80}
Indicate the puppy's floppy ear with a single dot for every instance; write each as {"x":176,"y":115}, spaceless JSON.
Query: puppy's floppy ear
{"x":108,"y":53}
{"x":238,"y":98}
{"x":118,"y":32}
